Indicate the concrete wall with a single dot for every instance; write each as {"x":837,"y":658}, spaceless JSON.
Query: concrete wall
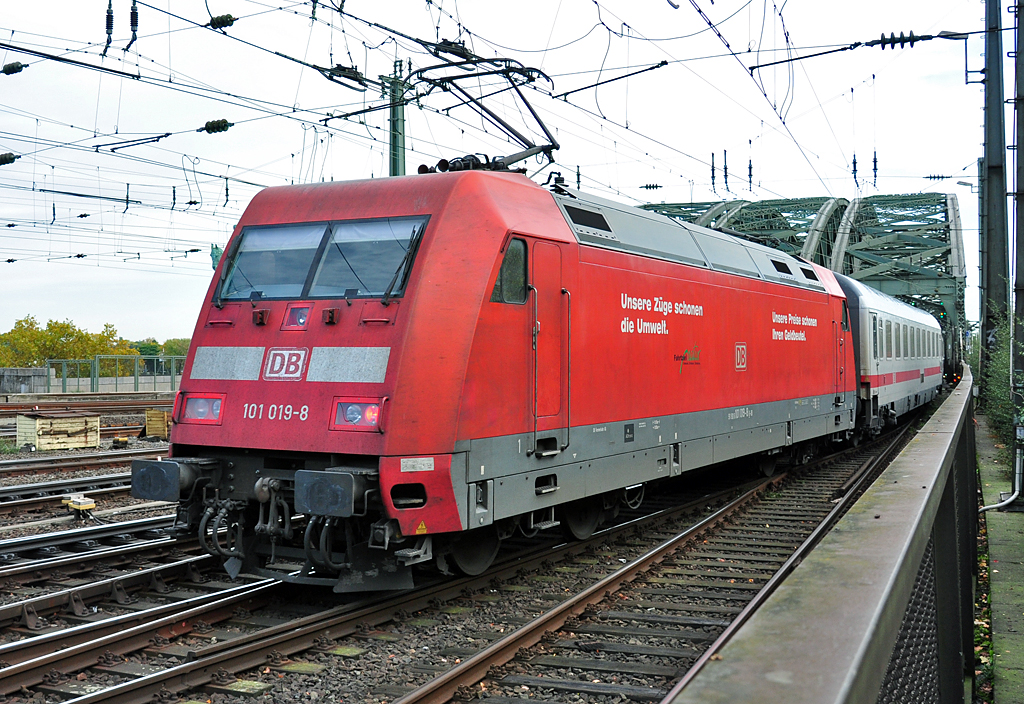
{"x":109,"y":384}
{"x":23,"y":381}
{"x":33,"y":381}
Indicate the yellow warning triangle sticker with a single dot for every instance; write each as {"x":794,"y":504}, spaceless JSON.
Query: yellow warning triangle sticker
{"x":421,"y":528}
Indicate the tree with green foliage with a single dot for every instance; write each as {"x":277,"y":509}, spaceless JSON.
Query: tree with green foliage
{"x":148,"y":347}
{"x":176,"y":346}
{"x":29,"y":345}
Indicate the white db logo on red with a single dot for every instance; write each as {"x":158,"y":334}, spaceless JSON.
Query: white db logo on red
{"x":285,"y":363}
{"x":741,"y":356}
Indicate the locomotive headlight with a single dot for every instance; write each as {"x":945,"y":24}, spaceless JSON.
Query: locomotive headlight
{"x":203,"y":408}
{"x":296,"y":318}
{"x":363,"y":414}
{"x":353,"y":413}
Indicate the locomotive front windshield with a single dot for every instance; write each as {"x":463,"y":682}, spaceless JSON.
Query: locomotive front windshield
{"x":349,"y":259}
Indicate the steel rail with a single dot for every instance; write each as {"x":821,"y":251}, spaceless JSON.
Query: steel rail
{"x":107,"y":530}
{"x":33,"y":647}
{"x":110,"y":455}
{"x":57,"y":463}
{"x":116,"y":586}
{"x":852,"y":493}
{"x":87,"y":654}
{"x":442,"y":688}
{"x":15,"y":499}
{"x":250,"y":650}
{"x":62,"y":486}
{"x":31,"y":570}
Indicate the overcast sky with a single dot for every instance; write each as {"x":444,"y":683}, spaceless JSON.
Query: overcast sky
{"x":93,"y":179}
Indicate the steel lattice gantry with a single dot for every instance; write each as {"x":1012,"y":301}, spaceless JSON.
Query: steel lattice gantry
{"x":908,"y":246}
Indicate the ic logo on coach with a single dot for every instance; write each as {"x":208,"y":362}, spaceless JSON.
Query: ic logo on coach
{"x":741,"y":356}
{"x":285,"y":363}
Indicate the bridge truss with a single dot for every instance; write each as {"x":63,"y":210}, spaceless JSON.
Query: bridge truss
{"x":908,"y":246}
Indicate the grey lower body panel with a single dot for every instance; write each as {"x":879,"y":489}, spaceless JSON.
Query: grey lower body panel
{"x":503,"y":478}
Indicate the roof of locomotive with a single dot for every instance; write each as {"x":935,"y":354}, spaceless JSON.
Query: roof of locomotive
{"x":610,"y":225}
{"x":875,"y":300}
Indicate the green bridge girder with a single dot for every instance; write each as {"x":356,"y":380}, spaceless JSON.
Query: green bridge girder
{"x":908,"y":246}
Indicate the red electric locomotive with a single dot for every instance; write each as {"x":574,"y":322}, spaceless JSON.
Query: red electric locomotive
{"x":407,"y":370}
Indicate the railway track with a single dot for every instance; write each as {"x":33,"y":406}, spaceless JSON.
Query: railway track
{"x":92,"y":460}
{"x":664,"y":615}
{"x":99,"y":403}
{"x":21,"y":499}
{"x":692,"y":574}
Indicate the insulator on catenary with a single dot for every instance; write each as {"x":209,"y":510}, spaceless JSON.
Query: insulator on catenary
{"x":8,"y":158}
{"x":215,"y":126}
{"x":135,"y":25}
{"x":891,"y":41}
{"x":12,"y":68}
{"x":110,"y":26}
{"x":650,"y":186}
{"x":221,"y":21}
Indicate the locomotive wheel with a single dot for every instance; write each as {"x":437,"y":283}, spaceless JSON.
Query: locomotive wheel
{"x":581,"y":518}
{"x":767,"y":464}
{"x":474,"y":551}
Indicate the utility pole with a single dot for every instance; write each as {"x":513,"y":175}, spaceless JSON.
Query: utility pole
{"x":995,"y":266}
{"x":1017,"y":354}
{"x":396,"y":87}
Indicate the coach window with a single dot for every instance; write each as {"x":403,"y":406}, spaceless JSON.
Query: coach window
{"x":888,"y":339}
{"x":906,"y":348}
{"x":874,"y":335}
{"x":898,"y":341}
{"x":511,"y":284}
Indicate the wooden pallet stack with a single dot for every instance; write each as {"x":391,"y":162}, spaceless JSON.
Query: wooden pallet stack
{"x":58,"y":430}
{"x":158,"y":423}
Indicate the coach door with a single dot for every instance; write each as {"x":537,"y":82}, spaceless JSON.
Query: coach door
{"x":549,"y":377}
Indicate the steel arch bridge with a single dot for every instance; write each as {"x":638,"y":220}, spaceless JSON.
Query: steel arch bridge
{"x":908,"y":246}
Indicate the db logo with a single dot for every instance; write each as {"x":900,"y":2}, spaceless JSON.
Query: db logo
{"x":285,"y":364}
{"x":741,"y":356}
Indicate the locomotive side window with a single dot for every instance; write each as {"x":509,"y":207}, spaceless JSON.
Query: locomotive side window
{"x":846,"y":317}
{"x":510,"y":286}
{"x":874,"y":336}
{"x":888,"y":339}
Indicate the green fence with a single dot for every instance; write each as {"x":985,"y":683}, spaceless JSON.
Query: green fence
{"x":114,"y":373}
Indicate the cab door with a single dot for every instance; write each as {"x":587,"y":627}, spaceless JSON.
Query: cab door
{"x":549,"y":349}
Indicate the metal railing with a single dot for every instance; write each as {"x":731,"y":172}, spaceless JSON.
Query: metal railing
{"x":104,"y":373}
{"x":883,"y":609}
